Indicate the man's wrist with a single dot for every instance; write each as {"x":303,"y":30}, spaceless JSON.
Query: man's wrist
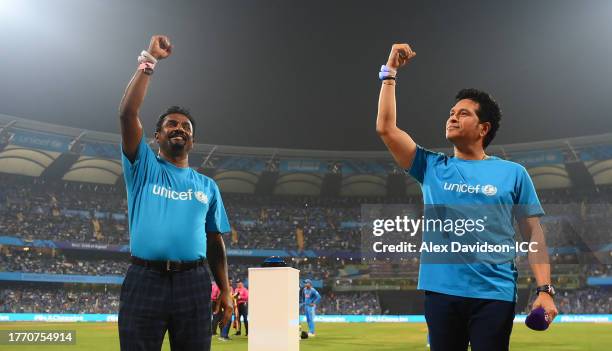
{"x":387,"y":73}
{"x":152,"y":55}
{"x":146,"y":62}
{"x":546,"y":289}
{"x":146,"y":54}
{"x":391,"y":67}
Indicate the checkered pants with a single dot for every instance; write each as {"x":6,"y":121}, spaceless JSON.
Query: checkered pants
{"x":152,"y":302}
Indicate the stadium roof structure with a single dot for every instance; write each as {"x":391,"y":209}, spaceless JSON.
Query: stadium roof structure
{"x":57,"y":152}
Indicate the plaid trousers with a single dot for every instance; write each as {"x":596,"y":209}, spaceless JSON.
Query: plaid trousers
{"x":154,"y":302}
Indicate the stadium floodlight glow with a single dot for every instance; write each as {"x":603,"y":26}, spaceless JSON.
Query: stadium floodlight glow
{"x":12,"y":10}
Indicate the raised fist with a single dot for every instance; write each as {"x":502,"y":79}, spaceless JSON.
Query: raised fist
{"x":400,"y":55}
{"x":160,"y":47}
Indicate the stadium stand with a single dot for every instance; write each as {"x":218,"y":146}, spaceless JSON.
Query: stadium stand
{"x":63,"y":218}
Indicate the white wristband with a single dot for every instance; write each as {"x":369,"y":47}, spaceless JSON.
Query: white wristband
{"x":385,"y":68}
{"x":142,"y":59}
{"x":145,"y":54}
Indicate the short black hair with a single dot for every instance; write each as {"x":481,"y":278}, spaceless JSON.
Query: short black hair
{"x":172,"y":110}
{"x":488,"y":110}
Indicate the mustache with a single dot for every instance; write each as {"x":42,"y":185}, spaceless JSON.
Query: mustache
{"x":178,"y":133}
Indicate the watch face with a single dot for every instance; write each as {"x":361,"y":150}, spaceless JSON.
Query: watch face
{"x":547,"y":289}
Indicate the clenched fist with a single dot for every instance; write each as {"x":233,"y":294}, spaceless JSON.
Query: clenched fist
{"x":160,"y":47}
{"x":400,"y":55}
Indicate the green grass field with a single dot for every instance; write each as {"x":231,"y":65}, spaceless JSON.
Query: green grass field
{"x":346,"y":337}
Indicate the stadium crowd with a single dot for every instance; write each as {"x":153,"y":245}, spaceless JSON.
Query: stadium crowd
{"x":589,"y":300}
{"x":350,"y":303}
{"x":98,"y":214}
{"x":32,"y":209}
{"x":30,"y":260}
{"x":63,"y":211}
{"x":586,"y":300}
{"x":37,"y":261}
{"x":57,"y":300}
{"x":61,"y":300}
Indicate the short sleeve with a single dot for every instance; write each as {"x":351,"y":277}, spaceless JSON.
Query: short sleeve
{"x":527,"y":203}
{"x":422,"y":158}
{"x":216,"y":218}
{"x":137,"y":169}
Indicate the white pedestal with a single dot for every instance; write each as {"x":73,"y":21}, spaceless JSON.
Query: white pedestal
{"x":274,"y":309}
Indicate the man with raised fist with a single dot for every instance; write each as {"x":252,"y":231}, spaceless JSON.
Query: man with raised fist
{"x":468,"y":301}
{"x":176,"y":218}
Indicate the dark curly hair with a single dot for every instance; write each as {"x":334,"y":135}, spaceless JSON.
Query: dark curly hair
{"x":172,"y":110}
{"x":488,"y":110}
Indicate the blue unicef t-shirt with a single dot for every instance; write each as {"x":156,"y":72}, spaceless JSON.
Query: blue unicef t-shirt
{"x":499,"y":189}
{"x":170,"y":209}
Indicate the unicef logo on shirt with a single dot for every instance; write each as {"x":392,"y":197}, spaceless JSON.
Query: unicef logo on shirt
{"x":489,"y":190}
{"x":200,"y":196}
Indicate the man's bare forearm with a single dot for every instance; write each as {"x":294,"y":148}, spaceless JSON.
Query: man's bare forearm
{"x":159,"y":48}
{"x":134,"y":95}
{"x":531,"y":229}
{"x":217,"y":260}
{"x":131,"y":127}
{"x":387,"y":113}
{"x":541,"y":272}
{"x":399,"y":143}
{"x":129,"y":108}
{"x":539,"y":261}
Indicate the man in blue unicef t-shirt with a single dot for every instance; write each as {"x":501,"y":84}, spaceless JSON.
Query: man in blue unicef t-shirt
{"x":469,"y":299}
{"x":176,"y":218}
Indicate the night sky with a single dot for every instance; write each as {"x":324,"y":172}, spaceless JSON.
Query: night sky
{"x":303,"y":74}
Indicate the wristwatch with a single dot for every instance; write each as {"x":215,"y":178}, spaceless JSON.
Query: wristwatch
{"x":549,"y":289}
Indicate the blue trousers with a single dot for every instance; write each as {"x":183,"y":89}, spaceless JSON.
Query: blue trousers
{"x":310,"y":316}
{"x":455,"y":321}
